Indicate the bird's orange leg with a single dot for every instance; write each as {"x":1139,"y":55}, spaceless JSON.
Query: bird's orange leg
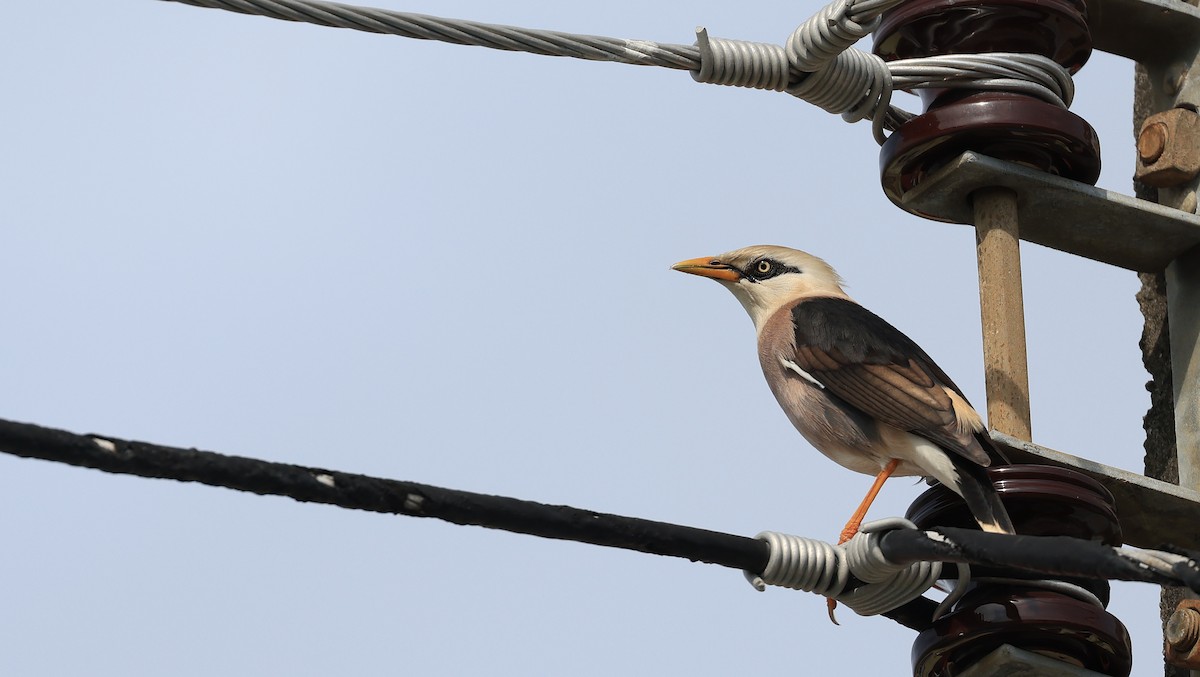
{"x":859,"y":515}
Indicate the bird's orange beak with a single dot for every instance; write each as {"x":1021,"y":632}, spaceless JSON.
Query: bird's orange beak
{"x":706,"y":266}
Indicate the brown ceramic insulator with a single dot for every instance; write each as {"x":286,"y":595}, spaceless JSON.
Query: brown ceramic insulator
{"x":1005,"y":126}
{"x":1051,"y":624}
{"x":1042,"y":501}
{"x":1056,"y":29}
{"x":1012,"y":127}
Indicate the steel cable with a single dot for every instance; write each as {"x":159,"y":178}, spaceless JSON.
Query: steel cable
{"x":817,"y":64}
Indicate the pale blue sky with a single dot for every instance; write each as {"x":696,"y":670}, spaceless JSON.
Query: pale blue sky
{"x":450,"y":265}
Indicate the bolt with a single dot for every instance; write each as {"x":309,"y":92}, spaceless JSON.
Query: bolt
{"x":1151,"y":143}
{"x":1183,"y":629}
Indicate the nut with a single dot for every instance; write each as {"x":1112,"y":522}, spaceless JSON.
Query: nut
{"x":1183,"y":629}
{"x":1169,"y":148}
{"x":1182,"y":635}
{"x":1152,"y":142}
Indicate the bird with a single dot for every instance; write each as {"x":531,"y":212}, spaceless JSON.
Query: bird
{"x":860,"y":391}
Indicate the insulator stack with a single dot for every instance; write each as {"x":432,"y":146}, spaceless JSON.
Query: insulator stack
{"x":1007,"y":126}
{"x":1064,"y":623}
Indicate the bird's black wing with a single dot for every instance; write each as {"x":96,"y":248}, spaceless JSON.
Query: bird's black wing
{"x":871,"y":365}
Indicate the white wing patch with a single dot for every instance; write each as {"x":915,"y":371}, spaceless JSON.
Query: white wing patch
{"x":788,"y":364}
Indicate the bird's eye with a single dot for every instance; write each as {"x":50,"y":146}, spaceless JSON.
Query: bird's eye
{"x":763,"y":267}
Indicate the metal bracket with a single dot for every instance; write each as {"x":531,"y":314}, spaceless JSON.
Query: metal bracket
{"x":1061,"y":214}
{"x":1148,"y":508}
{"x":1122,"y":27}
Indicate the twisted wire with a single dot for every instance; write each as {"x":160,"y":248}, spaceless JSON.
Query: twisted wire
{"x":818,"y":62}
{"x":1062,"y":587}
{"x":457,"y":31}
{"x":1030,"y":74}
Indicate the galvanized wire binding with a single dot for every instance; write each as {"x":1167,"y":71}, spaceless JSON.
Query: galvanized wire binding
{"x":820,"y":66}
{"x":738,"y":63}
{"x":815,"y":566}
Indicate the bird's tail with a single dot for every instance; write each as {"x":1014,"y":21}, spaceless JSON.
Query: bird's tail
{"x":977,"y":490}
{"x":997,"y":456}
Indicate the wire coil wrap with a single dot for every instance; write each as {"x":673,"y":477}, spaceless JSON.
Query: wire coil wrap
{"x":820,"y":65}
{"x":737,"y":63}
{"x":853,"y":85}
{"x":828,"y":33}
{"x":888,"y":585}
{"x":802,"y":564}
{"x":828,"y":72}
{"x":815,"y":566}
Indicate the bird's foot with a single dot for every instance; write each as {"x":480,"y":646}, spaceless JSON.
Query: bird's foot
{"x":831,"y":604}
{"x":847,"y":533}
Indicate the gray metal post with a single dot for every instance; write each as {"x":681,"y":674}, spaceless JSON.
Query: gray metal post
{"x":1183,"y":309}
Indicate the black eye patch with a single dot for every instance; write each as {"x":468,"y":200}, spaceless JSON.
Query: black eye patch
{"x":765,"y":269}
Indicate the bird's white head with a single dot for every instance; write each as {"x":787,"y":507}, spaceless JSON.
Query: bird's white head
{"x":765,"y":277}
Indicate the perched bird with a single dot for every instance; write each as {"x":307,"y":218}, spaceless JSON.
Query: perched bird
{"x":856,"y":388}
